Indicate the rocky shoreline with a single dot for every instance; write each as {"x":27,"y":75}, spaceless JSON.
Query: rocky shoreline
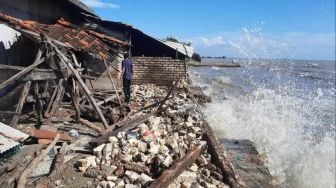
{"x":164,"y":141}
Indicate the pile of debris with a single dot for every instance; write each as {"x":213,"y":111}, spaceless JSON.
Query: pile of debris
{"x":162,"y":141}
{"x":156,"y":151}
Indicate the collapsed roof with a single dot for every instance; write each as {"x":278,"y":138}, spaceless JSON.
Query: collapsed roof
{"x":89,"y":41}
{"x":75,"y":12}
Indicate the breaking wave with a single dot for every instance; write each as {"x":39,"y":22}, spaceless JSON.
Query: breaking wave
{"x":290,"y":119}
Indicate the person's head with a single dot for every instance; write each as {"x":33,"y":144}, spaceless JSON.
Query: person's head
{"x":126,"y":55}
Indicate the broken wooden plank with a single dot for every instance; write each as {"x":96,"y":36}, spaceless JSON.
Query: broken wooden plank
{"x":20,"y":104}
{"x":57,"y":165}
{"x":91,"y":125}
{"x":126,"y":125}
{"x":23,"y":178}
{"x":113,"y":85}
{"x":17,"y":76}
{"x":82,"y":84}
{"x":52,"y":99}
{"x":230,"y":177}
{"x":44,"y":134}
{"x":168,"y":176}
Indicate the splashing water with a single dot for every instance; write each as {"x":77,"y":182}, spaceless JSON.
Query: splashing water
{"x":287,"y":108}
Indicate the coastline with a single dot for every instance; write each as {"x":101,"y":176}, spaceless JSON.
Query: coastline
{"x":203,"y":64}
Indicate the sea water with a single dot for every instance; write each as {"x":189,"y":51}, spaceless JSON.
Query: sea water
{"x":287,"y":108}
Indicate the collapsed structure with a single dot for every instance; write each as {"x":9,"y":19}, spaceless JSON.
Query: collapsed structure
{"x":60,"y":69}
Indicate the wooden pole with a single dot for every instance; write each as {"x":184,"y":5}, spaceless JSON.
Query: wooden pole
{"x":178,"y":167}
{"x":20,"y":104}
{"x":23,"y":178}
{"x":82,"y":84}
{"x":113,"y":85}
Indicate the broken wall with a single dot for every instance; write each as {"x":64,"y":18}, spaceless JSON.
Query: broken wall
{"x":158,"y":70}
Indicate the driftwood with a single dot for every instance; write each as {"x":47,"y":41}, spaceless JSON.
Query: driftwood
{"x":168,"y":176}
{"x":230,"y":177}
{"x":23,"y":178}
{"x":82,"y":84}
{"x":22,"y":99}
{"x":91,"y":125}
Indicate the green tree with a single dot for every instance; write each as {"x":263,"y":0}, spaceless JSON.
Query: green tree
{"x":196,"y":57}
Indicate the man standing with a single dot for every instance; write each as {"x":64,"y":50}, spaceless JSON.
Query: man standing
{"x":127,"y":72}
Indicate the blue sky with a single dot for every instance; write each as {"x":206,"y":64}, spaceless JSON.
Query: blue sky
{"x":299,"y":29}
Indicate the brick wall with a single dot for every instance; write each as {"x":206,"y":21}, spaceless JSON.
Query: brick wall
{"x":161,"y":71}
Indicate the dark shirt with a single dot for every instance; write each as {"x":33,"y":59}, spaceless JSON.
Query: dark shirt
{"x":128,"y":65}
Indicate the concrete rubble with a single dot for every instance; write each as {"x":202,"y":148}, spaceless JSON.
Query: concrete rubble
{"x":140,"y":155}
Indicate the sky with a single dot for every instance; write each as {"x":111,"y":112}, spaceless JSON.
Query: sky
{"x":293,"y":29}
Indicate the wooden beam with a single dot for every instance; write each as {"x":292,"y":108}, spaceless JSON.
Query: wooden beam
{"x":91,"y":125}
{"x":178,"y":167}
{"x":52,"y":99}
{"x":124,"y":125}
{"x":83,"y":85}
{"x":36,"y":75}
{"x":214,"y":148}
{"x":17,"y":76}
{"x":20,"y":104}
{"x":113,"y":85}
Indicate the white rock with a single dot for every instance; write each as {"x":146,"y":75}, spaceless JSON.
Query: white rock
{"x":164,"y":149}
{"x":110,"y":184}
{"x":143,"y":127}
{"x":188,"y":124}
{"x":130,"y":186}
{"x":113,"y":140}
{"x":121,"y":183}
{"x":121,"y":135}
{"x":145,"y":180}
{"x":193,"y":167}
{"x":133,"y":142}
{"x":84,"y":164}
{"x":112,"y":178}
{"x":153,"y":148}
{"x":133,"y":176}
{"x":191,"y":135}
{"x":127,"y":158}
{"x":172,"y":143}
{"x":142,"y":146}
{"x":98,"y":150}
{"x":108,"y":151}
{"x":155,"y":121}
{"x":168,"y":160}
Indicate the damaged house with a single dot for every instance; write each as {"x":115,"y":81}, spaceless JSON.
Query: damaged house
{"x":97,"y":45}
{"x":60,"y":65}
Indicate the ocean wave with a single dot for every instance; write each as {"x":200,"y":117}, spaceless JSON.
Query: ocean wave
{"x":275,"y":123}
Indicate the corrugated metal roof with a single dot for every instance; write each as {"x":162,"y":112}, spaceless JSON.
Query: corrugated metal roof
{"x":10,"y":137}
{"x":184,"y":49}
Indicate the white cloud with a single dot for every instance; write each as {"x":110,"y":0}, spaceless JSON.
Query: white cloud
{"x":212,"y":41}
{"x":99,"y":4}
{"x":253,"y":43}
